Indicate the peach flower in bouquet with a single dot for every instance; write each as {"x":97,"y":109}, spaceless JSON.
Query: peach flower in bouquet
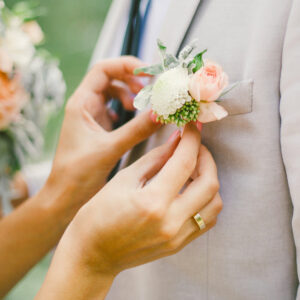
{"x":12,"y":99}
{"x":206,"y":86}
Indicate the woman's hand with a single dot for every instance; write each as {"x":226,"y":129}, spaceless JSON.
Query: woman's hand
{"x":86,"y":153}
{"x":88,"y":150}
{"x":137,"y":218}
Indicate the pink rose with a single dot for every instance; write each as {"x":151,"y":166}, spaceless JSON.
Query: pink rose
{"x":12,"y":99}
{"x":208,"y":83}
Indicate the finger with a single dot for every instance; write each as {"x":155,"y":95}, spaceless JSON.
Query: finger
{"x":199,"y":125}
{"x":113,"y":115}
{"x":201,"y":190}
{"x":120,"y":67}
{"x":181,"y":242}
{"x":133,"y":132}
{"x":121,"y":92}
{"x":148,"y":165}
{"x":182,"y":239}
{"x":101,"y":74}
{"x":134,"y":83}
{"x":211,"y":211}
{"x":209,"y":214}
{"x":188,"y":233}
{"x":180,"y":166}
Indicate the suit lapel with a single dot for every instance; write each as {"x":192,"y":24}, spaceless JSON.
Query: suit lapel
{"x":176,"y":24}
{"x":110,"y":30}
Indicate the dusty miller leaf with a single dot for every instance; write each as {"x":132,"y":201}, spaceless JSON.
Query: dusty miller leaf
{"x":151,"y":70}
{"x":142,"y":99}
{"x":187,"y":50}
{"x":170,"y":61}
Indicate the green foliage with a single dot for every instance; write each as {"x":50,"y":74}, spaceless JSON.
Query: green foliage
{"x":9,"y":162}
{"x":151,"y":70}
{"x":187,"y":50}
{"x":29,"y":10}
{"x":161,"y":47}
{"x":168,"y":61}
{"x":197,"y":63}
{"x":187,"y":113}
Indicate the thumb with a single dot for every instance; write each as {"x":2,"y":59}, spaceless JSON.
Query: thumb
{"x":151,"y":163}
{"x":134,"y":132}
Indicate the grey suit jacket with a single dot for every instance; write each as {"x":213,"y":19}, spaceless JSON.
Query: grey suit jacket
{"x":253,"y":251}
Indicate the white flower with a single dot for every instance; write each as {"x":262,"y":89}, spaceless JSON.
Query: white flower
{"x":34,"y":31}
{"x":170,"y":92}
{"x":18,"y":46}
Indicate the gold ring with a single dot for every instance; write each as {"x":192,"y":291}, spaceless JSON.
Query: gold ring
{"x":199,"y":221}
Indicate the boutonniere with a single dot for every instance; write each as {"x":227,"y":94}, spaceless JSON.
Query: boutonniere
{"x":187,"y":88}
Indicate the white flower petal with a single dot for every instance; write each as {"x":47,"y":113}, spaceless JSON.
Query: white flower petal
{"x":142,"y":99}
{"x":170,"y":91}
{"x":19,"y":46}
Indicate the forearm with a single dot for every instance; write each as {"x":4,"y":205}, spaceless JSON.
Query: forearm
{"x":28,"y":233}
{"x":69,"y":278}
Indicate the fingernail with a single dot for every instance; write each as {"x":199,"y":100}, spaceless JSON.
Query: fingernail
{"x":153,"y":118}
{"x":199,"y":126}
{"x":174,"y":136}
{"x":113,"y":115}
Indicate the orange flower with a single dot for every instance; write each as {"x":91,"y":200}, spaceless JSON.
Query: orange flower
{"x":12,"y":99}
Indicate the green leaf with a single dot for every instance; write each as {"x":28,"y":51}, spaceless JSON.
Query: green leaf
{"x":28,"y":10}
{"x":161,"y":46}
{"x":142,"y":99}
{"x":197,"y":63}
{"x":162,"y":51}
{"x":151,"y":70}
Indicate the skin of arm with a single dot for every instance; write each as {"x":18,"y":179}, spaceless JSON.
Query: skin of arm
{"x":136,"y":218}
{"x":27,"y":234}
{"x":86,"y":153}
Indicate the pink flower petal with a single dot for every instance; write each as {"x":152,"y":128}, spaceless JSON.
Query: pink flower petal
{"x":211,"y":112}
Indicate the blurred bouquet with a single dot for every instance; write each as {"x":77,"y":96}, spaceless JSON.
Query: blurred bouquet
{"x":31,"y":88}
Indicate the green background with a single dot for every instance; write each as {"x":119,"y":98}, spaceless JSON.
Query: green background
{"x":71,"y":28}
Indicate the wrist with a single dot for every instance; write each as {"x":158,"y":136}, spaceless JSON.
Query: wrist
{"x":57,"y":199}
{"x":70,"y":276}
{"x":84,"y":237}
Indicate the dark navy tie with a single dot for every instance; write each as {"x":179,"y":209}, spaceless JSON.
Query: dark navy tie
{"x":131,"y":46}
